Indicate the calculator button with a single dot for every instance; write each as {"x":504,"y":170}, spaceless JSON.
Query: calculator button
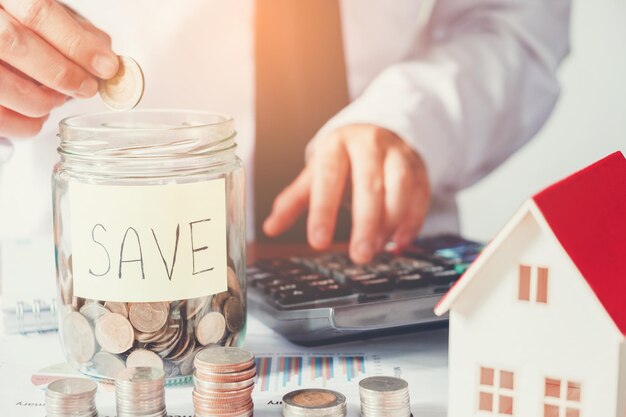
{"x":267,"y":284}
{"x":413,"y":280}
{"x":308,"y":278}
{"x":282,"y":288}
{"x":333,"y":291}
{"x":274,"y":264}
{"x":292,"y":272}
{"x":363,"y":277}
{"x":322,"y":282}
{"x":375,"y":285}
{"x":445,"y":276}
{"x":257,"y":277}
{"x":289,"y":298}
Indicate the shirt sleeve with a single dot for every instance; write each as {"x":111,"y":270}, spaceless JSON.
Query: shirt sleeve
{"x":483,"y":86}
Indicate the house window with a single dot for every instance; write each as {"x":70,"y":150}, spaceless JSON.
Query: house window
{"x":533,"y":284}
{"x":561,"y":398}
{"x":495,"y":391}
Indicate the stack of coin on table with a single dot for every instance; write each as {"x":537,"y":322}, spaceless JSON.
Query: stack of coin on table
{"x":71,"y":397}
{"x":104,"y":338}
{"x":223,"y":382}
{"x":140,"y":392}
{"x":314,"y":402}
{"x":384,"y":396}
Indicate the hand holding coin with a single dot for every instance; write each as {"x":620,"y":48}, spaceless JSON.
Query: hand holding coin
{"x":125,"y":89}
{"x":47,"y":52}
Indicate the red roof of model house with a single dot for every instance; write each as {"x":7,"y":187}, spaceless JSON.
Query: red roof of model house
{"x":587,"y":213}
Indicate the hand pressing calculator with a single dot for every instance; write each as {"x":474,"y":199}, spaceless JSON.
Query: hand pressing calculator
{"x":318,"y":299}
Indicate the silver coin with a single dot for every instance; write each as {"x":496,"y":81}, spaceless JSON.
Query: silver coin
{"x":223,"y":357}
{"x":107,"y":364}
{"x":71,"y":397}
{"x":171,"y":369}
{"x":93,"y":310}
{"x":140,"y":374}
{"x":78,"y":337}
{"x":144,"y":357}
{"x":384,"y":396}
{"x":140,"y":391}
{"x":383,"y":384}
{"x":72,"y":387}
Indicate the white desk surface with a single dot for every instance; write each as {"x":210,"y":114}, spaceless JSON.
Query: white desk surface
{"x":420,"y":358}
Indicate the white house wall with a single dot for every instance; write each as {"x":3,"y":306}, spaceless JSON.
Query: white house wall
{"x":570,"y":337}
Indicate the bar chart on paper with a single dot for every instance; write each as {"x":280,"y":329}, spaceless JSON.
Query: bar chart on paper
{"x":285,"y":372}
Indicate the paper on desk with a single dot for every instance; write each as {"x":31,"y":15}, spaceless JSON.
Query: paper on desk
{"x":27,"y":270}
{"x":419,"y":358}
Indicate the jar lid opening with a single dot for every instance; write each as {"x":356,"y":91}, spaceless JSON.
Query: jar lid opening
{"x":146,"y":133}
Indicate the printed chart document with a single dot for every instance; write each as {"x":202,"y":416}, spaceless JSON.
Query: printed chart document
{"x":28,"y":362}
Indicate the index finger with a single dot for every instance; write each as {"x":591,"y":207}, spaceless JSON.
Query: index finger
{"x":367,"y":200}
{"x":329,"y":172}
{"x":59,"y":28}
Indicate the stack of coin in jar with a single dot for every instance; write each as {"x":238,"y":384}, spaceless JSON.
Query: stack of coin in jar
{"x":103,"y":338}
{"x":71,"y":397}
{"x":314,"y":402}
{"x":140,"y":392}
{"x":384,"y":396}
{"x":223,"y":382}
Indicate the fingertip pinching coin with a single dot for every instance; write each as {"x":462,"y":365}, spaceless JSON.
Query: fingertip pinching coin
{"x":125,"y":90}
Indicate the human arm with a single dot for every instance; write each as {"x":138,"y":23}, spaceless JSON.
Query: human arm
{"x":47,"y":53}
{"x":484,"y":86}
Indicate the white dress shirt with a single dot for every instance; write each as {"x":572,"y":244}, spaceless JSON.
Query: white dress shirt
{"x":465,"y":83}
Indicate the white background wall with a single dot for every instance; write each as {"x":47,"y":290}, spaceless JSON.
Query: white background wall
{"x":588,"y":123}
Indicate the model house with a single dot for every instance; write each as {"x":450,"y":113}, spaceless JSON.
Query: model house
{"x":538,"y":322}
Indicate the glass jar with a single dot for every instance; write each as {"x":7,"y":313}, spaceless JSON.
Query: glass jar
{"x":149,"y":240}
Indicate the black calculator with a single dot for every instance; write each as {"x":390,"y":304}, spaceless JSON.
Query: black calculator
{"x":320,"y":299}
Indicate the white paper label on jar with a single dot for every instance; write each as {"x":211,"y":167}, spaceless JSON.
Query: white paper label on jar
{"x":148,"y":243}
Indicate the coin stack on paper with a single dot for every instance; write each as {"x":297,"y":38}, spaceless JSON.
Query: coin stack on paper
{"x":71,"y":397}
{"x":384,"y":396}
{"x":103,"y":338}
{"x":223,"y":382}
{"x":314,"y":403}
{"x":140,"y":392}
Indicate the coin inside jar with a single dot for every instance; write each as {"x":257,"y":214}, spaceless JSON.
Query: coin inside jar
{"x":93,"y":310}
{"x":234,"y":314}
{"x":107,"y":364}
{"x":78,"y":337}
{"x":148,"y":317}
{"x":233,"y":282}
{"x":119,"y":308}
{"x":144,"y":357}
{"x":210,"y":328}
{"x":114,"y":333}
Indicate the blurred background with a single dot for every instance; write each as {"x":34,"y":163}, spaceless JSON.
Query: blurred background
{"x":588,"y":123}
